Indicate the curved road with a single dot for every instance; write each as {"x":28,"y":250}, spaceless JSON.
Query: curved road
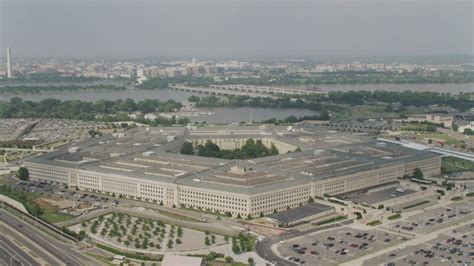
{"x":264,"y":247}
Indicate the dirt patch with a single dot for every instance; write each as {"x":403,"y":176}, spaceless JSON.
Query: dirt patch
{"x":52,"y":203}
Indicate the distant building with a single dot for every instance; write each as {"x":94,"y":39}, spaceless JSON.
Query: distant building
{"x":445,"y":120}
{"x":470,"y":126}
{"x":140,"y":164}
{"x":9,"y":64}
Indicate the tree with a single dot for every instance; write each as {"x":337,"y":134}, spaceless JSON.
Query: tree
{"x":431,"y":128}
{"x":455,"y":127}
{"x":23,"y":174}
{"x":228,"y":259}
{"x":187,"y":148}
{"x":235,"y":248}
{"x":273,"y":150}
{"x":310,"y":200}
{"x":417,"y":173}
{"x":251,"y":261}
{"x":194,"y":98}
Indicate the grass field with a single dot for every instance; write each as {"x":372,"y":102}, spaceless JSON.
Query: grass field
{"x":451,"y":165}
{"x":53,"y":216}
{"x":365,"y":112}
{"x":51,"y":213}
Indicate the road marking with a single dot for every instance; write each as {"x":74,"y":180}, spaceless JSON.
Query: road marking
{"x":5,"y":246}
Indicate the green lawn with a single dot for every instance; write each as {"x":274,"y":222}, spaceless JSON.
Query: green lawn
{"x":3,"y":180}
{"x":395,"y":217}
{"x":452,"y":164}
{"x":374,"y":223}
{"x":456,"y":198}
{"x":365,"y":112}
{"x":332,"y":220}
{"x":52,"y":216}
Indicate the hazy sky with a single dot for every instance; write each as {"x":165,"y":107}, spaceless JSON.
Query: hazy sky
{"x":235,"y":28}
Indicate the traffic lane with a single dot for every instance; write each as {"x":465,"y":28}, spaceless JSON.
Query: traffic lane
{"x":11,"y":253}
{"x":264,"y":250}
{"x":59,"y":250}
{"x":31,"y":246}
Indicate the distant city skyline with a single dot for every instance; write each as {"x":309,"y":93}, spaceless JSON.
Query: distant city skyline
{"x":236,"y":29}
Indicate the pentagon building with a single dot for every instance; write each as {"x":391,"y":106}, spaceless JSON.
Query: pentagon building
{"x":145,"y":164}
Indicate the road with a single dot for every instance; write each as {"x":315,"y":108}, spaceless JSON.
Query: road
{"x":11,"y":234}
{"x":61,"y":251}
{"x":11,"y":254}
{"x":264,"y":247}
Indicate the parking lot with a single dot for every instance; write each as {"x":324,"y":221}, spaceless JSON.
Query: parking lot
{"x":435,"y":219}
{"x":336,"y":246}
{"x":78,"y":201}
{"x":453,"y":248}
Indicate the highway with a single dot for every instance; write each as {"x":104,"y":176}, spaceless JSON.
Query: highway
{"x":65,"y":253}
{"x":34,"y":250}
{"x":11,"y":254}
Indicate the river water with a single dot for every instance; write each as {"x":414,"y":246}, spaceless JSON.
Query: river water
{"x":227,"y":115}
{"x":219,"y":115}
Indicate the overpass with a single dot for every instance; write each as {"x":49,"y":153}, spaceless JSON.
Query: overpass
{"x":219,"y":92}
{"x":269,"y":90}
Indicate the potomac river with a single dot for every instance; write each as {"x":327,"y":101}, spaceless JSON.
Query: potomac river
{"x":228,"y":114}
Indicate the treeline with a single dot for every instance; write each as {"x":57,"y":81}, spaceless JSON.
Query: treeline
{"x":293,"y":119}
{"x":35,"y":89}
{"x":163,"y":121}
{"x":263,"y":102}
{"x":349,"y":77}
{"x":50,"y":77}
{"x":24,"y":198}
{"x":352,"y":77}
{"x":76,"y":109}
{"x":319,"y":102}
{"x":405,"y":98}
{"x":251,"y":149}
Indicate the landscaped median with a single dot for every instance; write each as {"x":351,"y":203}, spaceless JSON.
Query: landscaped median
{"x":332,"y":220}
{"x":395,"y":217}
{"x":458,"y":198}
{"x":374,"y":223}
